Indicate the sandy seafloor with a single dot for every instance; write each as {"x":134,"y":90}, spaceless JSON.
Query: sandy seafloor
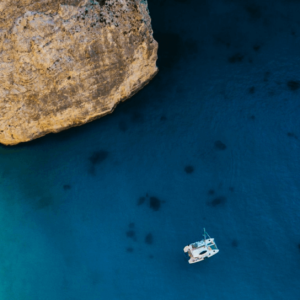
{"x":213,"y":141}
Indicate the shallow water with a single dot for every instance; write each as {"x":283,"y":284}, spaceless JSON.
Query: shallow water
{"x":104,"y":210}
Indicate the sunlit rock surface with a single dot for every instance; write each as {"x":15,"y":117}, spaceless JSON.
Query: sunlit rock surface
{"x":67,"y":62}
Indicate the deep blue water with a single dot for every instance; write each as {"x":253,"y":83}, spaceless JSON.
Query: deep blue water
{"x":103,"y":211}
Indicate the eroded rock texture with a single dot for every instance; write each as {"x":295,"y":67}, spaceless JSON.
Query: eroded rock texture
{"x":66,"y":62}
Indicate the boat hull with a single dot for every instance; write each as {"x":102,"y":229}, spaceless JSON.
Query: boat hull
{"x":201,"y":250}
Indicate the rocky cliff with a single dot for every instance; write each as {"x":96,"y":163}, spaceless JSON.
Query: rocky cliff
{"x":64,"y":63}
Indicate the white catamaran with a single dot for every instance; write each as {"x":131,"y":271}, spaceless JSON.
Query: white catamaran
{"x":199,"y":251}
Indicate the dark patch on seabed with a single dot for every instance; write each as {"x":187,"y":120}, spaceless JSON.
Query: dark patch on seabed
{"x":293,"y":85}
{"x":155,"y":203}
{"x":256,"y":47}
{"x":234,"y":243}
{"x":218,"y":201}
{"x":252,"y":90}
{"x":189,"y":169}
{"x":67,"y":187}
{"x":44,"y":203}
{"x":236,"y":58}
{"x":253,"y":10}
{"x":219,"y":145}
{"x":292,"y":135}
{"x":97,"y":158}
{"x":131,"y":234}
{"x":149,"y":239}
{"x":211,"y":192}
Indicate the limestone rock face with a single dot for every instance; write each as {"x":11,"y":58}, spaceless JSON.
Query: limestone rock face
{"x":67,"y":62}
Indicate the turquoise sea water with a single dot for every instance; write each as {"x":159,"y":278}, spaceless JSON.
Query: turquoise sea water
{"x":103,"y":211}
